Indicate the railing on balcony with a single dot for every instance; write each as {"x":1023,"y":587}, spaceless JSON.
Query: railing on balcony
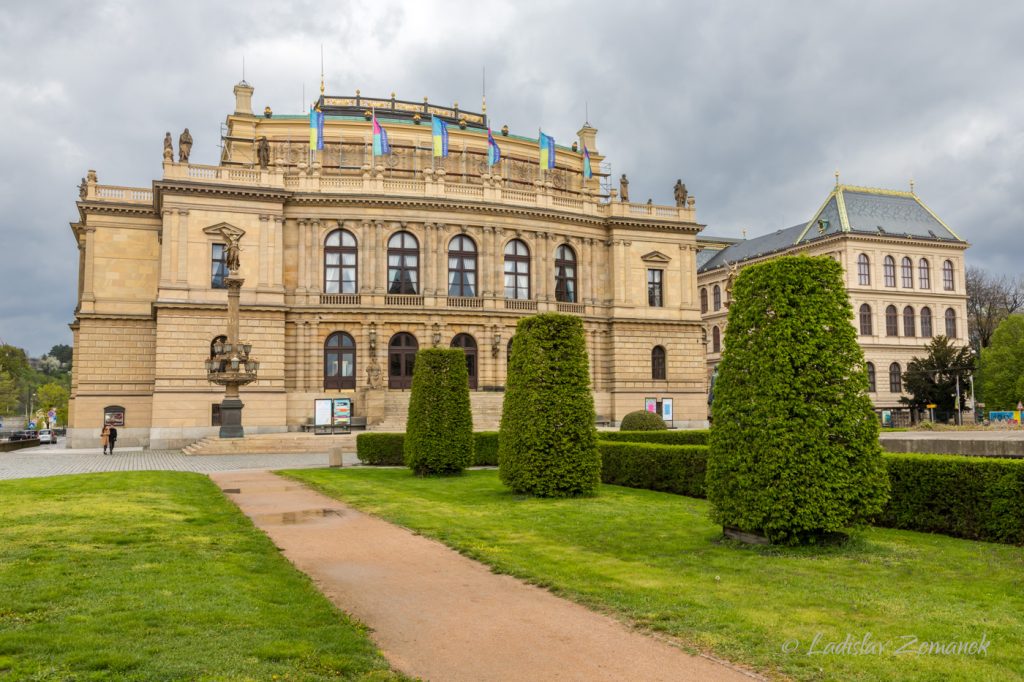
{"x":465,"y":302}
{"x":519,"y":304}
{"x":575,"y":308}
{"x":339,"y":299}
{"x":133,"y":194}
{"x":404,"y":300}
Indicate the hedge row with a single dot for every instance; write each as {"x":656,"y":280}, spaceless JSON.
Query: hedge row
{"x":388,"y":449}
{"x":678,"y":469}
{"x":689,"y":437}
{"x":977,"y":498}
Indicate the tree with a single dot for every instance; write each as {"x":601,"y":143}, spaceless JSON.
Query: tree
{"x":439,"y":437}
{"x":63,"y":353}
{"x":53,"y":395}
{"x":793,"y":449}
{"x":990,"y":300}
{"x":932,"y":380}
{"x":8,"y":393}
{"x":1001,"y":376}
{"x":548,"y":442}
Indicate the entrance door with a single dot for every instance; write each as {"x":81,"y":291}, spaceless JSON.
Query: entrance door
{"x":468,"y":346}
{"x":401,"y":359}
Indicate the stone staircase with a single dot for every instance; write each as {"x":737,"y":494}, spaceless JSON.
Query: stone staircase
{"x":486,"y":408}
{"x":270,"y":443}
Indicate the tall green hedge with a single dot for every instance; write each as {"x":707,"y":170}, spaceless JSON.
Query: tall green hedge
{"x":548,"y":441}
{"x":680,"y":437}
{"x":642,"y":420}
{"x":679,"y":469}
{"x":981,"y":498}
{"x":388,"y":449}
{"x":439,"y":435}
{"x":794,"y":438}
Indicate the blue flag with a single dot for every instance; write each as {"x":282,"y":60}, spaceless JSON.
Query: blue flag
{"x":493,"y":150}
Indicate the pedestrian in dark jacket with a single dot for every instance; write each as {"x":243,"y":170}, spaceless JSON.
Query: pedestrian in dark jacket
{"x":112,"y":438}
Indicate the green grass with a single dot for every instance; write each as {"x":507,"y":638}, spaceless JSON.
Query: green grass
{"x":156,"y":576}
{"x":655,"y":560}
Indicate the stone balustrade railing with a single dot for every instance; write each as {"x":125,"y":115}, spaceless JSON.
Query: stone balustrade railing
{"x":375,"y":181}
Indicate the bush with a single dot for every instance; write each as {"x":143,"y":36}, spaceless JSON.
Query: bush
{"x":548,"y":441}
{"x":794,"y":439}
{"x":690,"y":437}
{"x":439,"y":435}
{"x":678,"y":469}
{"x":969,"y":497}
{"x":381,"y":449}
{"x":387,"y":449}
{"x":642,"y":420}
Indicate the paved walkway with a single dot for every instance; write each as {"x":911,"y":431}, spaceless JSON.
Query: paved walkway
{"x":440,"y":616}
{"x":55,"y":460}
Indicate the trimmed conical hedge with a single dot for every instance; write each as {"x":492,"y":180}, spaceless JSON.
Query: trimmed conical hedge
{"x":548,"y":441}
{"x":794,"y":452}
{"x":439,"y":435}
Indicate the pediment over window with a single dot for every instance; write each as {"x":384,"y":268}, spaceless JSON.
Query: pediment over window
{"x":225,"y":230}
{"x":655,"y":257}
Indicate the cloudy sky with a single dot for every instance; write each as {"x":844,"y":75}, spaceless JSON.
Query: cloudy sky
{"x":754,"y":105}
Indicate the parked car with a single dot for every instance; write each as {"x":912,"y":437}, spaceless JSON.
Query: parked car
{"x":23,"y":435}
{"x":47,"y":436}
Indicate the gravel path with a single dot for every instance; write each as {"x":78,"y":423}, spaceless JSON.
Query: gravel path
{"x":440,"y":616}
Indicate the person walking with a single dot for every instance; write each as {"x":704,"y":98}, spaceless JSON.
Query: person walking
{"x":112,"y":438}
{"x":105,"y":438}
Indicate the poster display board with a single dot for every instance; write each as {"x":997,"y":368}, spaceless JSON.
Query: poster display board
{"x":322,"y":412}
{"x":666,"y":409}
{"x":342,"y":413}
{"x":651,"y":405}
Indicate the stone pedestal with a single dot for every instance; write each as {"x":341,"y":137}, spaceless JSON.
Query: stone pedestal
{"x":231,"y":418}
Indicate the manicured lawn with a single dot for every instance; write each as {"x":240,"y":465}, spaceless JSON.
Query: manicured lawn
{"x":655,"y":559}
{"x":156,"y":576}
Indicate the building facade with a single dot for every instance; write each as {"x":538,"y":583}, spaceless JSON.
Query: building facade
{"x":352,"y":261}
{"x":903,"y":269}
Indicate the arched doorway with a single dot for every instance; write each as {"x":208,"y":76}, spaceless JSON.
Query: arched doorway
{"x":401,"y":360}
{"x":468,"y":346}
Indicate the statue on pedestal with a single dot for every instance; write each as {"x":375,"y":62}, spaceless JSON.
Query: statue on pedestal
{"x":680,"y":193}
{"x":263,"y":153}
{"x":624,"y":188}
{"x":373,"y":374}
{"x":168,"y":147}
{"x":231,"y":253}
{"x":184,"y":146}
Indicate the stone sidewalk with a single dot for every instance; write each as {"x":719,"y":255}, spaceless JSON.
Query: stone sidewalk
{"x":440,"y":616}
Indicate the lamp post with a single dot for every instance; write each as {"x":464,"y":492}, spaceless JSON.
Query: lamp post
{"x":230,"y":365}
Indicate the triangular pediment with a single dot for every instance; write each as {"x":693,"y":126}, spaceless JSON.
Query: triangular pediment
{"x":226,"y":230}
{"x":655,"y":257}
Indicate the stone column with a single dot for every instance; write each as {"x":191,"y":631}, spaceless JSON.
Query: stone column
{"x":685,"y":292}
{"x":545,"y":275}
{"x":183,"y":246}
{"x":428,"y":286}
{"x":88,"y":289}
{"x":300,"y":284}
{"x":364,"y":260}
{"x":264,"y":255}
{"x":484,"y":274}
{"x":315,"y":357}
{"x":615,"y":265}
{"x":441,"y":276}
{"x":278,"y":258}
{"x":166,"y":240}
{"x":591,"y":269}
{"x":498,"y":260}
{"x":314,"y":266}
{"x":380,"y":260}
{"x":625,"y":274}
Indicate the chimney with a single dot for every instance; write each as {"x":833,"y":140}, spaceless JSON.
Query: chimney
{"x":243,"y":99}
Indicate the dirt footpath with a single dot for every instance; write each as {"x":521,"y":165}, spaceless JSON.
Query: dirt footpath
{"x":438,"y":615}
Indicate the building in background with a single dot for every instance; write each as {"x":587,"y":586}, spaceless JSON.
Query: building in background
{"x":903,"y":268}
{"x":360,"y":251}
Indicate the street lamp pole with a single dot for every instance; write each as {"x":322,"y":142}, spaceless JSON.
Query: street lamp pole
{"x":959,"y":412}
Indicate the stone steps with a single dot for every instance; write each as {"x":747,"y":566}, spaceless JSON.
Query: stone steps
{"x":269,"y":443}
{"x":486,"y":411}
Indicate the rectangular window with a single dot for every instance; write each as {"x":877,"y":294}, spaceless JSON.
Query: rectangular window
{"x":219,"y":268}
{"x":215,"y":414}
{"x":654,"y":290}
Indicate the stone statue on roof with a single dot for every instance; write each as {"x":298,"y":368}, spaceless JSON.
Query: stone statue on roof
{"x":168,"y":147}
{"x":263,"y":153}
{"x":679,"y":191}
{"x":624,"y":188}
{"x":184,"y":146}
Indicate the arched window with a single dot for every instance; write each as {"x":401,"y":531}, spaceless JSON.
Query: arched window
{"x":716,"y":340}
{"x":908,"y":322}
{"x":339,"y":361}
{"x":716,"y":295}
{"x":947,"y":275}
{"x":950,"y":323}
{"x":462,"y":267}
{"x":658,"y":362}
{"x":403,"y":264}
{"x":401,"y":359}
{"x":468,"y":345}
{"x":863,"y":269}
{"x":889,"y":270}
{"x":340,"y":264}
{"x":907,"y":273}
{"x":871,"y":377}
{"x":865,"y":320}
{"x":891,"y":321}
{"x":565,"y":274}
{"x":517,"y":270}
{"x":924,"y":274}
{"x":895,"y":378}
{"x":926,"y":322}
{"x":704,"y":300}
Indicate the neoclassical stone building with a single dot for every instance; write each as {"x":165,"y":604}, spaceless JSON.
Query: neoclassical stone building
{"x":353,"y":261}
{"x":903,"y":268}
